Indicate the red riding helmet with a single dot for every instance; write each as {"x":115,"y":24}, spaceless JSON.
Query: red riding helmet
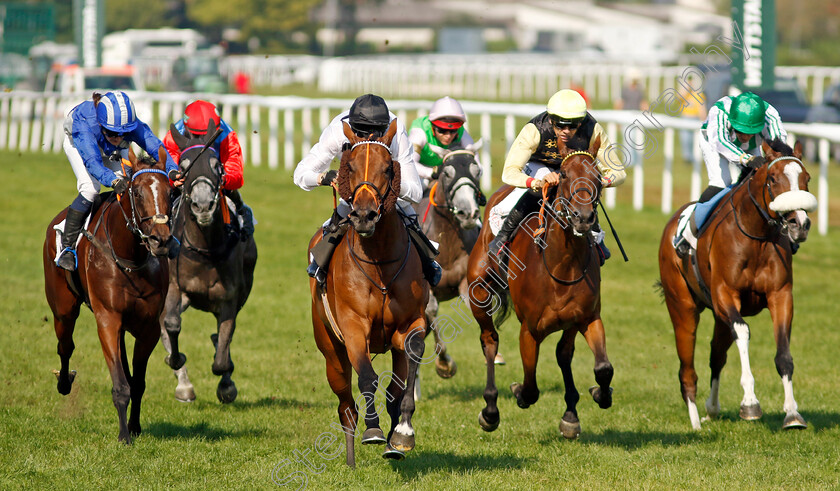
{"x":198,"y":114}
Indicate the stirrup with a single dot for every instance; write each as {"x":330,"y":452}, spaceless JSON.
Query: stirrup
{"x":62,"y":263}
{"x":433,"y":272}
{"x":317,"y":272}
{"x":682,"y":247}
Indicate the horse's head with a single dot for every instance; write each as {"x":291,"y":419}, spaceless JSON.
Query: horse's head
{"x":459,"y":176}
{"x":148,"y":198}
{"x":203,"y":173}
{"x":369,"y":179}
{"x":786,"y":192}
{"x":580,"y":185}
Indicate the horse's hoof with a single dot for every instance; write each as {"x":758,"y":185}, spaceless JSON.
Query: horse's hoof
{"x":187,"y":394}
{"x":751,"y":413}
{"x":64,"y":386}
{"x":392,"y":453}
{"x":569,"y":430}
{"x":134,"y":430}
{"x":225,"y":392}
{"x":487,"y":425}
{"x":499,"y":360}
{"x":175,"y":363}
{"x":401,"y":443}
{"x":794,"y":421}
{"x":604,"y":400}
{"x":446,"y":369}
{"x":373,"y":436}
{"x":516,"y":388}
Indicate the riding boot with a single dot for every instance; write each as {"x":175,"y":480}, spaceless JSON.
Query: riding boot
{"x":427,"y":250}
{"x":322,"y":251}
{"x":245,"y":212}
{"x":520,"y":210}
{"x":688,"y":239}
{"x":72,"y":227}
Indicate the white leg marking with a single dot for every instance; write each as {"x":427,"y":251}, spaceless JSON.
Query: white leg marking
{"x":692,"y":414}
{"x":404,"y":429}
{"x":792,"y":171}
{"x":790,"y":403}
{"x":742,"y":331}
{"x":713,"y":402}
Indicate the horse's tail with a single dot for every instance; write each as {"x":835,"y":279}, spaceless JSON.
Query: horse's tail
{"x":503,"y":312}
{"x":657,"y":285}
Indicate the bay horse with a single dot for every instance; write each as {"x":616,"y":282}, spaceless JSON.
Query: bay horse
{"x":554,"y":284}
{"x":374,"y":298}
{"x":744,"y":261}
{"x":450,"y":217}
{"x":121,"y":277}
{"x":214,"y":271}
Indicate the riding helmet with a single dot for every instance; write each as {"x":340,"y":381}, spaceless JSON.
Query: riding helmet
{"x":115,"y":112}
{"x":198,"y":114}
{"x":567,"y":105}
{"x":746,"y":114}
{"x":447,"y":113}
{"x":369,"y":113}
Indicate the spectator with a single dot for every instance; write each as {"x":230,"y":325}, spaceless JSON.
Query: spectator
{"x":633,"y":99}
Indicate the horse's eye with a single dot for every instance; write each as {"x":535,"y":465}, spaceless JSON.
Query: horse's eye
{"x":771,"y":179}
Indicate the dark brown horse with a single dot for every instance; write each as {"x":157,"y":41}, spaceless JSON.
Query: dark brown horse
{"x":449,"y":216}
{"x":121,"y":276}
{"x":214,"y":271}
{"x":554,"y":283}
{"x":374,"y":298}
{"x":744,"y":261}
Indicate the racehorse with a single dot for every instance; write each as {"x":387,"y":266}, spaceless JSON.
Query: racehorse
{"x":744,"y":263}
{"x":374,"y":298}
{"x":121,"y":276}
{"x":214,"y":271}
{"x":450,"y":217}
{"x":554,"y":284}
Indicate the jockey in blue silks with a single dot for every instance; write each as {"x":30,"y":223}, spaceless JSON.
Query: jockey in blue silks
{"x":732,"y":135}
{"x":98,"y":134}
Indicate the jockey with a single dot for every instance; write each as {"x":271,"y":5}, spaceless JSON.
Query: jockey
{"x":732,"y":136}
{"x":444,"y":128}
{"x":98,"y":133}
{"x":197,"y":115}
{"x":533,"y":161}
{"x":368,"y":117}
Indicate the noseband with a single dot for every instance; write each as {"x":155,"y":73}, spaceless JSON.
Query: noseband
{"x":368,"y":186}
{"x":214,"y":186}
{"x":776,"y":225}
{"x":135,"y":222}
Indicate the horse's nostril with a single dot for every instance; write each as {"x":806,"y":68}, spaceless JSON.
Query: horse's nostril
{"x":807,"y":224}
{"x":370,"y":216}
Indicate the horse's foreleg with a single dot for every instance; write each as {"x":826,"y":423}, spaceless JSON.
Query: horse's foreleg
{"x":529,"y":349}
{"x":721,"y":341}
{"x":594,"y":335}
{"x":728,"y":310}
{"x":110,"y":331}
{"x":489,"y":417}
{"x":401,"y":403}
{"x":64,"y":327}
{"x":171,"y":328}
{"x":222,"y":362}
{"x":444,"y":364}
{"x":357,"y":352}
{"x":144,"y":344}
{"x":569,"y":425}
{"x":781,"y":311}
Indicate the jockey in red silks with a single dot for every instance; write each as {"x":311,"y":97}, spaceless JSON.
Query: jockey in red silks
{"x":197,"y":115}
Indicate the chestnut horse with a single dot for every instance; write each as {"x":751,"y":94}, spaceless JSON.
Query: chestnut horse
{"x":449,"y":216}
{"x":214,"y":271}
{"x":744,"y":261}
{"x":374,"y":298}
{"x":554,"y":284}
{"x":121,"y":276}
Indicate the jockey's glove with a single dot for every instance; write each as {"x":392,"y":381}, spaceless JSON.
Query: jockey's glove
{"x":119,"y":185}
{"x":755,"y":162}
{"x":174,"y":175}
{"x":328,"y":177}
{"x":606,"y":181}
{"x":537,"y":184}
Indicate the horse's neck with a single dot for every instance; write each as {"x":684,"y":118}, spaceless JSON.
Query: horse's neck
{"x":209,"y":236}
{"x":750,"y":218}
{"x":124,"y":241}
{"x":563,"y":247}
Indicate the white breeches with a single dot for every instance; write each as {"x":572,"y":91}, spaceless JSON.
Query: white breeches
{"x":88,"y":186}
{"x":722,"y":172}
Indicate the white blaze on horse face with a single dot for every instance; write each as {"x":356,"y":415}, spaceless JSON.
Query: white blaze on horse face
{"x":792,"y":171}
{"x":742,"y":331}
{"x":156,"y":192}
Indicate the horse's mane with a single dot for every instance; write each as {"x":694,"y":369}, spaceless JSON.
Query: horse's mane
{"x":577,"y":143}
{"x":778,"y":145}
{"x":346,"y":193}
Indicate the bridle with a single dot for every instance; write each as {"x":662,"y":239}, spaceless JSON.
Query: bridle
{"x":219,"y":171}
{"x":776,"y":225}
{"x":459,"y":181}
{"x":366,"y":185}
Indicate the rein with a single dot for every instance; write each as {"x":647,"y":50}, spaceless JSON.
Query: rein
{"x":357,"y":259}
{"x":775,"y":225}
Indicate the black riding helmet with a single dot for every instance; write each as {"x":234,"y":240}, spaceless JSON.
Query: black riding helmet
{"x":369,"y":114}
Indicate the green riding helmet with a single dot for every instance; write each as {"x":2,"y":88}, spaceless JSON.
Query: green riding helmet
{"x":747,"y":113}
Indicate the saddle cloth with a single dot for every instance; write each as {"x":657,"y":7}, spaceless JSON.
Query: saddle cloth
{"x":498,"y":213}
{"x":701,"y":211}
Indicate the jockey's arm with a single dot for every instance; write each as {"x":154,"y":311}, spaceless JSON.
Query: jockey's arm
{"x":88,"y":148}
{"x":525,"y":144}
{"x":773,"y":128}
{"x":172,"y":147}
{"x":717,"y":132}
{"x":231,"y":157}
{"x":308,"y":171}
{"x":608,"y":162}
{"x":411,"y":189}
{"x":418,"y":140}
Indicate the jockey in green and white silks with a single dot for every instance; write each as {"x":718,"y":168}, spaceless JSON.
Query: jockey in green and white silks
{"x":732,"y":135}
{"x":442,"y":129}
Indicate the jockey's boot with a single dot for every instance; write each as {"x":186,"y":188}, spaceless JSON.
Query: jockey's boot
{"x":322,"y":251}
{"x":72,"y":226}
{"x":517,"y":214}
{"x":245,"y":212}
{"x":427,"y":250}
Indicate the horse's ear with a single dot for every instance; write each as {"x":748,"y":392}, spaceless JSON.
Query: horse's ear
{"x":474,"y":146}
{"x":162,"y":156}
{"x":177,"y":137}
{"x":211,"y":128}
{"x":797,"y":149}
{"x":767,"y":150}
{"x":595,"y":146}
{"x":439,"y":151}
{"x":96,"y":97}
{"x":348,"y":132}
{"x":389,"y":135}
{"x":132,"y":157}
